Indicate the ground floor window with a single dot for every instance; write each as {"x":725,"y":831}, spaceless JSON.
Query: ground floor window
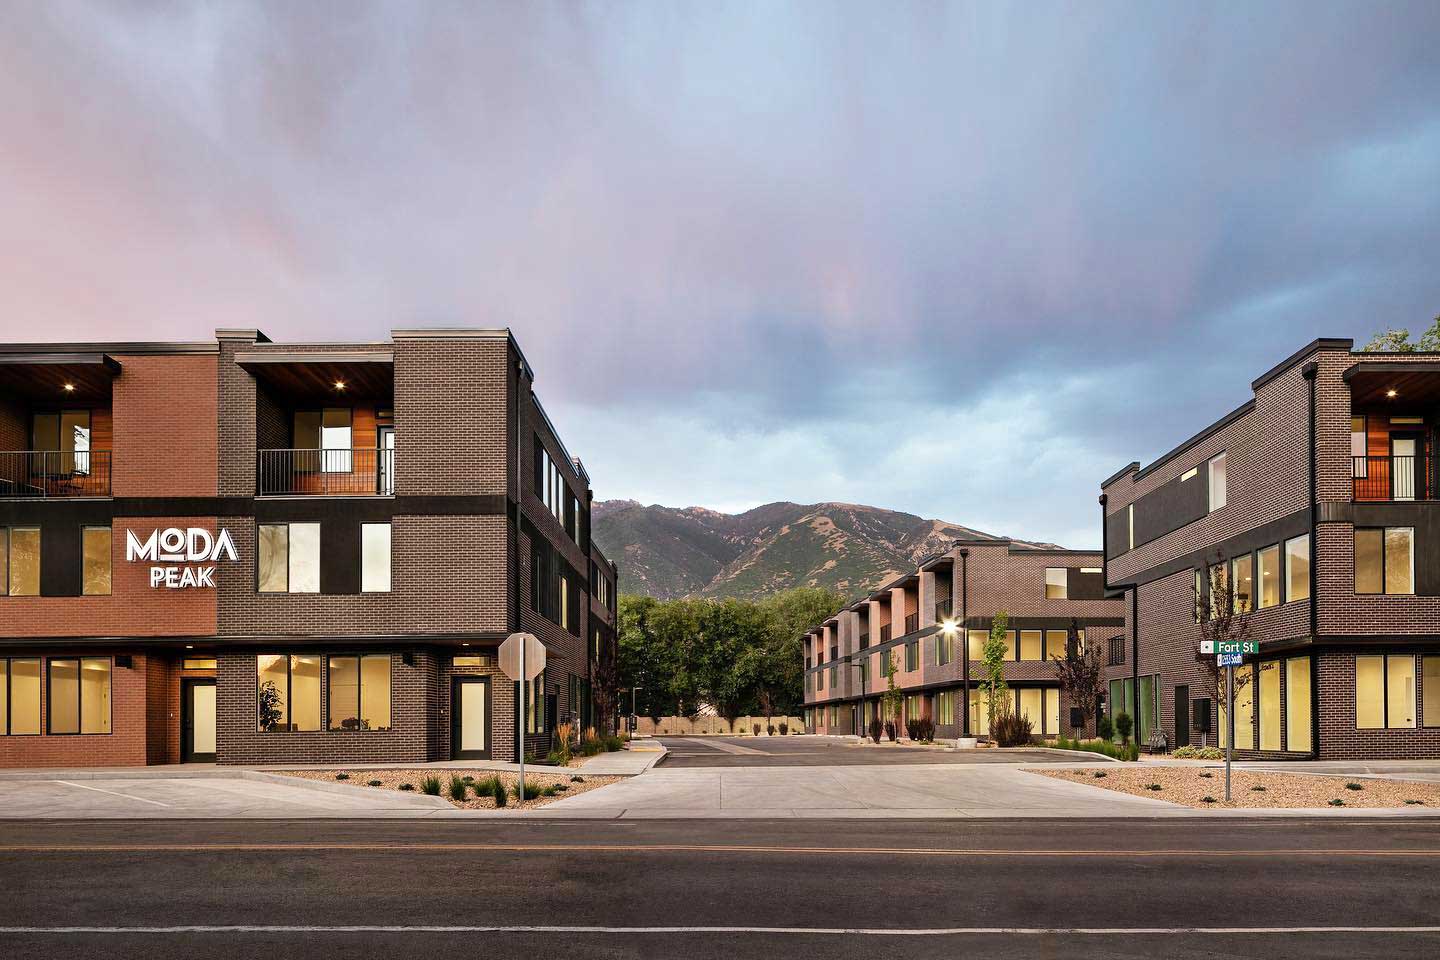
{"x":1298,"y":705}
{"x":20,"y":696}
{"x":1244,"y":710}
{"x":915,"y":707}
{"x":1041,"y":706}
{"x":1269,"y":696}
{"x":1122,"y":701}
{"x":79,"y":696}
{"x":1430,"y":685}
{"x":360,"y":692}
{"x":1385,"y":692}
{"x":287,"y":693}
{"x":535,"y":705}
{"x":980,"y":710}
{"x":945,"y":707}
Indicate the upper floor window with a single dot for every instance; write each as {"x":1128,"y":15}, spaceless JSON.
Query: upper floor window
{"x":288,"y":558}
{"x":328,"y":432}
{"x":1297,"y":568}
{"x":374,"y":558}
{"x":1216,"y":469}
{"x":1267,"y":572}
{"x":20,"y":561}
{"x":1130,"y":523}
{"x":95,"y":561}
{"x":1055,"y":583}
{"x":1385,"y":560}
{"x":1242,"y":577}
{"x":550,"y":485}
{"x":67,"y":433}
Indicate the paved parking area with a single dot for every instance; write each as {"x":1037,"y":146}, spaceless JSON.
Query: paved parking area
{"x":811,"y":751}
{"x":82,"y":798}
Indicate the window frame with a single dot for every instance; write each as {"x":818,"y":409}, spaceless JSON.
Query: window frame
{"x":8,"y":692}
{"x":389,"y":555}
{"x":1385,"y":659}
{"x":1286,"y":561}
{"x":48,"y":690}
{"x":109,"y":557}
{"x":1224,"y":486}
{"x":321,"y":691}
{"x":289,"y":554}
{"x":328,"y":696}
{"x":1384,"y":590}
{"x":1063,"y":586}
{"x":7,"y":579}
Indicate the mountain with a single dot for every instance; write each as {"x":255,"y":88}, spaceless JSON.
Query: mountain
{"x":669,"y":552}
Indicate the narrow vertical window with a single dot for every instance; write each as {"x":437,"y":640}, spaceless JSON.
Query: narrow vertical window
{"x":1297,"y":568}
{"x":1269,"y":694}
{"x":375,"y":558}
{"x":273,"y":561}
{"x":1130,"y":522}
{"x":1055,"y":583}
{"x":304,"y":558}
{"x":24,"y":697}
{"x":95,"y":561}
{"x":1218,"y":485}
{"x":1242,"y":577}
{"x":1032,"y":645}
{"x":1430,"y":684}
{"x":1369,"y":692}
{"x":1399,"y":560}
{"x":64,"y":696}
{"x":24,"y":562}
{"x":1267,"y":572}
{"x":1297,"y":705}
{"x":1400,"y":691}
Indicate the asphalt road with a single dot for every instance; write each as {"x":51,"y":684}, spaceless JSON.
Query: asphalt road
{"x":824,"y":752}
{"x":701,"y":889}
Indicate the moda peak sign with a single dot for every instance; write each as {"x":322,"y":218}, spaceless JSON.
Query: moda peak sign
{"x":166,"y":549}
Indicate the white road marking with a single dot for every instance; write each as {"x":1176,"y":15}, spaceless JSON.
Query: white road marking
{"x":112,"y":793}
{"x":786,"y":931}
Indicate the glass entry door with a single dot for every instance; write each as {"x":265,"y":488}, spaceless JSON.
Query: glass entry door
{"x":470,"y":718}
{"x":1406,"y":466}
{"x":197,"y":738}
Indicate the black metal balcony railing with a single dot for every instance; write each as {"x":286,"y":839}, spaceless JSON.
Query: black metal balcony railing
{"x":864,"y":640}
{"x":54,"y":473}
{"x":912,"y":623}
{"x":1391,"y":478}
{"x":361,"y":471}
{"x":943,"y":609}
{"x":885,"y":633}
{"x":1116,"y":652}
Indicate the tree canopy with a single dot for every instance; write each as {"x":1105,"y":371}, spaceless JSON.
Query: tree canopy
{"x":1398,"y":341}
{"x":737,"y":656}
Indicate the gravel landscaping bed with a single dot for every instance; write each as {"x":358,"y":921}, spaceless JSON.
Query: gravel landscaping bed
{"x":1250,"y":790}
{"x":566,"y":785}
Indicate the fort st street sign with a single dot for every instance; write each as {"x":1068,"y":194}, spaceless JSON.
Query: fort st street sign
{"x":1230,"y":646}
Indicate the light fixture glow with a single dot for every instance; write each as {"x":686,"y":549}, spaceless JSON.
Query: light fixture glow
{"x":339,"y":384}
{"x":1390,"y":394}
{"x":69,"y":388}
{"x":949,"y":626}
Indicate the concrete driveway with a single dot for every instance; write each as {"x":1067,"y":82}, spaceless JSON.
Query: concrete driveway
{"x":813,"y":751}
{"x":85,"y":795}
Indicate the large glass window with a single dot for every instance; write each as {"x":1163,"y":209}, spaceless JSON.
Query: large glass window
{"x":1032,"y":708}
{"x":66,"y":433}
{"x":1385,"y":560}
{"x":375,"y":558}
{"x":329,"y":433}
{"x":1384,"y":692}
{"x":1242,"y":575}
{"x":980,"y":711}
{"x":1032,"y":645}
{"x":1297,"y":704}
{"x":289,"y":558}
{"x":288,"y":692}
{"x":79,"y":695}
{"x":1056,"y":642}
{"x":1297,"y":568}
{"x":1218,"y":586}
{"x":1267,"y":573}
{"x":95,"y":561}
{"x":20,"y":697}
{"x":1430,"y":684}
{"x":975,"y":644}
{"x":1217,"y":481}
{"x":945,"y":706}
{"x":20,"y":561}
{"x":912,"y":656}
{"x":1244,"y":710}
{"x":1055,"y":583}
{"x":1269,"y":694}
{"x":360,"y":692}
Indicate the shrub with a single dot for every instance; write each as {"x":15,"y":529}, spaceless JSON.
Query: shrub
{"x":1101,"y":774}
{"x":1198,"y":753}
{"x":1258,"y":788}
{"x":556,"y":758}
{"x":755,"y":728}
{"x":577,"y":779}
{"x":1103,"y":747}
{"x":1206,"y":774}
{"x":591,"y":744}
{"x":1207,"y":799}
{"x":458,"y":789}
{"x":876,"y":729}
{"x":407,"y":786}
{"x":1153,"y":786}
{"x":890,"y":730}
{"x":1353,"y":786}
{"x":1124,"y":723}
{"x":1337,"y":802}
{"x":534,"y":790}
{"x":430,"y":785}
{"x":784,"y":728}
{"x":376,"y":783}
{"x":560,"y":754}
{"x":612,"y":744}
{"x":922,"y":730}
{"x":497,"y":792}
{"x":1104,"y":728}
{"x":770,"y":730}
{"x":1413,"y":803}
{"x":342,"y":776}
{"x":1011,"y":730}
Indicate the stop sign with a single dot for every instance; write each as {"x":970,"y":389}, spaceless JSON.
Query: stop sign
{"x":509,"y":656}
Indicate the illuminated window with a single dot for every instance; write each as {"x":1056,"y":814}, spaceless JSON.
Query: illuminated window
{"x":20,"y":697}
{"x":1244,"y":710}
{"x":287,"y":693}
{"x":95,"y":561}
{"x":1032,"y":645}
{"x":374,"y":558}
{"x":1385,"y":560}
{"x":975,"y":644}
{"x":1430,"y":683}
{"x":360,"y":692}
{"x":1297,"y":568}
{"x":1267,"y":571}
{"x":1269,"y":694}
{"x":1057,"y":642}
{"x":1056,"y":583}
{"x":1242,"y":575}
{"x":288,"y":558}
{"x":1384,"y":692}
{"x":1218,"y":588}
{"x":199,"y":663}
{"x":1297,"y":704}
{"x":79,"y":695}
{"x":1216,"y":469}
{"x":20,"y":561}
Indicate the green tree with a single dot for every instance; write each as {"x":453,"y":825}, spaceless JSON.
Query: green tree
{"x":1398,"y":341}
{"x":1079,"y":673}
{"x":993,"y":657}
{"x":892,"y":698}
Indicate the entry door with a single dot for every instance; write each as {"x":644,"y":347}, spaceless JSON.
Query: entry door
{"x":1182,"y":716}
{"x":470,"y":718}
{"x":197,"y":738}
{"x":386,"y":475}
{"x":1407,"y":466}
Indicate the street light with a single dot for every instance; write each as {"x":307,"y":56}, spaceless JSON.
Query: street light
{"x":860,"y":707}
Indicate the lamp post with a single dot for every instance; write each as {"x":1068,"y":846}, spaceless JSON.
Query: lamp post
{"x":949,"y":629}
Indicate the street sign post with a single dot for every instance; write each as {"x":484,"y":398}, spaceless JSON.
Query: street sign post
{"x":522,"y":658}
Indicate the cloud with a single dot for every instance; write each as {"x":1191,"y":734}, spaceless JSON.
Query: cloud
{"x":775,"y":235}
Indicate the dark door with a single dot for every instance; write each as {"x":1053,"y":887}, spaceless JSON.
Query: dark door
{"x":1407,"y":466}
{"x":197,"y":730}
{"x":470,"y":718}
{"x":1182,"y":716}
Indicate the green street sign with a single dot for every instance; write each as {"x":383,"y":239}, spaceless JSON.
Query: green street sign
{"x":1231,"y":647}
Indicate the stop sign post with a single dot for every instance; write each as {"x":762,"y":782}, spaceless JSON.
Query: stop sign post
{"x":522,"y":658}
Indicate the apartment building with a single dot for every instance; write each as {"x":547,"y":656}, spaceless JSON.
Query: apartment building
{"x":1316,"y":501}
{"x":932,"y":625}
{"x":253,"y":552}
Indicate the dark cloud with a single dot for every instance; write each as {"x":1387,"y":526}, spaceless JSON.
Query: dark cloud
{"x":779,"y":235}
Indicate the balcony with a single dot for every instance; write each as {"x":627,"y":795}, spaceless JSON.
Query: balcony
{"x":885,"y":633}
{"x":944,"y":609}
{"x":912,"y":623}
{"x":48,"y":474}
{"x":346,"y":472}
{"x":864,"y":640}
{"x":1392,"y":478}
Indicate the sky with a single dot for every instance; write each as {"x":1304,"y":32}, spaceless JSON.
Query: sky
{"x":964,"y":260}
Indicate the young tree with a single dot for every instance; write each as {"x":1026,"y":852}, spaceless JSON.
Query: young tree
{"x":1398,"y":341}
{"x":1079,"y":673}
{"x":993,"y":659}
{"x":892,"y":697}
{"x":1223,"y":619}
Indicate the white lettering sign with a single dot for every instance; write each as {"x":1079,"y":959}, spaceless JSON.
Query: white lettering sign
{"x":194,"y":545}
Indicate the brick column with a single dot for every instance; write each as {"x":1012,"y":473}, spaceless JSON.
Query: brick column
{"x":897,"y":613}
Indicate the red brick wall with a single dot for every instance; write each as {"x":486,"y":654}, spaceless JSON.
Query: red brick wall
{"x":165,"y":438}
{"x":125,"y":745}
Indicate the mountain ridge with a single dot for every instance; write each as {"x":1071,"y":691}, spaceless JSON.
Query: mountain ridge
{"x":669,"y":552}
